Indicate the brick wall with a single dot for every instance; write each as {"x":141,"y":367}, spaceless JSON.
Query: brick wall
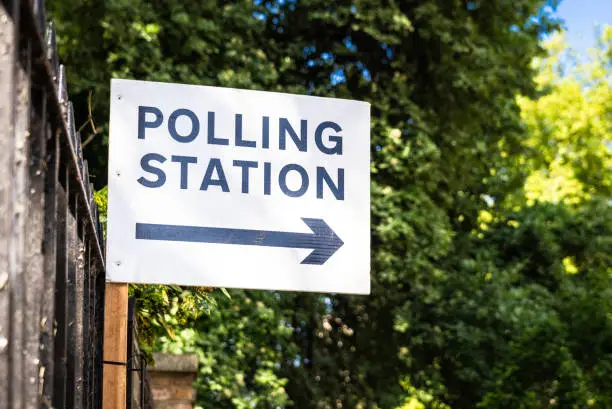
{"x":172,"y":378}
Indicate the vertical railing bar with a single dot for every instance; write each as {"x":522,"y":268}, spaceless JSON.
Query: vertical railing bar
{"x":94,"y":212}
{"x":50,"y":247}
{"x":130,"y":354}
{"x":17,"y":247}
{"x":86,"y":184}
{"x":91,"y":197}
{"x":100,"y":297}
{"x":86,"y":338}
{"x":143,"y":374}
{"x":77,"y":346}
{"x":62,"y":90}
{"x":52,"y":225}
{"x":79,"y":153}
{"x":35,"y":234}
{"x":39,"y":13}
{"x":91,"y":328}
{"x":71,"y":311}
{"x":60,"y":346}
{"x":71,"y":130}
{"x":94,"y":355}
{"x":8,"y":43}
{"x":52,"y":52}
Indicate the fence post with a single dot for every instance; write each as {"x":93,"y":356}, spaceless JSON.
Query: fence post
{"x":115,"y":346}
{"x":8,"y":58}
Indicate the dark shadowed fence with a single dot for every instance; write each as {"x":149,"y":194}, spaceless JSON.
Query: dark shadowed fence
{"x":51,"y":259}
{"x":52,"y":273}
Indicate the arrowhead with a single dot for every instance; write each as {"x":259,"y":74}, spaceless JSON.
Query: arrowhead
{"x":325,"y":242}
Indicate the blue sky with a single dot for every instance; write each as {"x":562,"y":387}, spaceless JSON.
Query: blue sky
{"x":581,"y":17}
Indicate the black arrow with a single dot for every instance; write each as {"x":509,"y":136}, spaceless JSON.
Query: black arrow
{"x":324,"y":241}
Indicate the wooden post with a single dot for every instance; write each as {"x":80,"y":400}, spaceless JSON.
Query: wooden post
{"x":115,"y":346}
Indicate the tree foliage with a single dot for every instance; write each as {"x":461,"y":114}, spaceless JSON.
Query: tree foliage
{"x":239,"y":350}
{"x":491,"y":222}
{"x":570,"y":124}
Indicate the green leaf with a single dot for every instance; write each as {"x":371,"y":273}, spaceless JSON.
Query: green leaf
{"x":226,"y":293}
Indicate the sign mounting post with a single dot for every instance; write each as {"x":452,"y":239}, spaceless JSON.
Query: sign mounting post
{"x":243,"y":189}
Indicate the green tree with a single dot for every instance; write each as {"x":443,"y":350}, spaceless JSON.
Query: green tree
{"x":570,"y":125}
{"x":239,"y":350}
{"x":522,"y":317}
{"x":196,"y":42}
{"x":442,"y":78}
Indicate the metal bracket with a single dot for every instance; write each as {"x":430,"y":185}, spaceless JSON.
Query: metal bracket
{"x":115,"y":363}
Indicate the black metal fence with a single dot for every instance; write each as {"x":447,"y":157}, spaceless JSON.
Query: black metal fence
{"x":52,"y":273}
{"x":138,"y":389}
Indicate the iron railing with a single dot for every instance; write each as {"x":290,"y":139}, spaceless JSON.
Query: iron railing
{"x":52,"y":273}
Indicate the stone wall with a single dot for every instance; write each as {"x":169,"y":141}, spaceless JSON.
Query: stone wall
{"x":172,"y":378}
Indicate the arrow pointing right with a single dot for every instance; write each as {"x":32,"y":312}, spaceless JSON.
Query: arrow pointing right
{"x":323,"y":240}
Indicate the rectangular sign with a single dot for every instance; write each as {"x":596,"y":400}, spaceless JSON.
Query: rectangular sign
{"x":243,"y":189}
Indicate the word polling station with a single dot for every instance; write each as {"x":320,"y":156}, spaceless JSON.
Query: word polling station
{"x":294,"y":180}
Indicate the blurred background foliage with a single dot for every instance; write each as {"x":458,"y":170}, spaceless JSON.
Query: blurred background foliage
{"x":491,"y":194}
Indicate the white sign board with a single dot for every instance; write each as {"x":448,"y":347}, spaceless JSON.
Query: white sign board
{"x":242,"y":189}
